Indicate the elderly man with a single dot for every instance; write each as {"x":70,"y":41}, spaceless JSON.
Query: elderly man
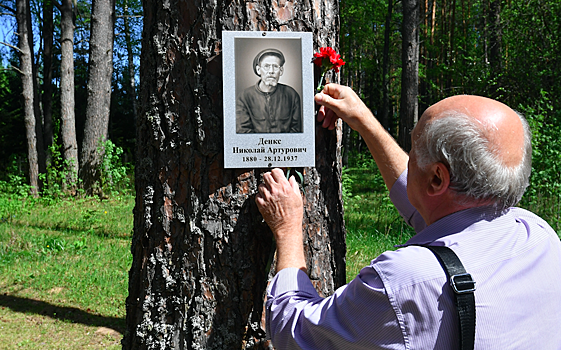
{"x":268,"y":106}
{"x":469,"y":165}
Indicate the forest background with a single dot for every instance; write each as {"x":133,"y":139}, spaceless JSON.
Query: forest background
{"x":508,"y":50}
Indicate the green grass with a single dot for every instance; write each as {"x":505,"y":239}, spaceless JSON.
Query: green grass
{"x":64,"y":273}
{"x":373,"y":224}
{"x":64,"y":263}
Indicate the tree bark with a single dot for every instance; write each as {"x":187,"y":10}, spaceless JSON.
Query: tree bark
{"x":409,"y":111}
{"x":385,"y":110}
{"x":200,"y":248}
{"x":26,"y":63}
{"x":130,"y":61}
{"x":99,"y":93}
{"x":48,"y":77}
{"x":36,"y":99}
{"x":68,"y":127}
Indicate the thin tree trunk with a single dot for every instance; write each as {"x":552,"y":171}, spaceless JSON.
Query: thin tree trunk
{"x":48,"y":77}
{"x":26,"y":63}
{"x":68,"y":127}
{"x":36,"y":99}
{"x":385,"y":110}
{"x":130,"y":61}
{"x":409,"y":111}
{"x":200,"y":248}
{"x":495,"y":45}
{"x":99,"y":93}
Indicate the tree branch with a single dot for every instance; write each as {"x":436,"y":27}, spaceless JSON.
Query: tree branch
{"x":17,"y":70}
{"x":8,"y":9}
{"x":12,"y":46}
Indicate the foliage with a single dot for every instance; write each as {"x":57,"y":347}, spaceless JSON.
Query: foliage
{"x":56,"y":177}
{"x":544,"y":192}
{"x":114,"y":174}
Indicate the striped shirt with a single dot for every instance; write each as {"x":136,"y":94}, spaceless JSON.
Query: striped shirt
{"x":402,"y":300}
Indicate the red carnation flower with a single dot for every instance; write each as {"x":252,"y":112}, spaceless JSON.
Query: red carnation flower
{"x":327,"y":59}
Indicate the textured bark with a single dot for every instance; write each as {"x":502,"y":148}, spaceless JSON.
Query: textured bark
{"x":131,"y":87}
{"x":26,"y":62}
{"x":385,"y":110}
{"x":409,"y":111}
{"x":36,"y":100}
{"x":200,"y":248}
{"x":48,"y":77}
{"x":99,"y":93}
{"x":68,"y":127}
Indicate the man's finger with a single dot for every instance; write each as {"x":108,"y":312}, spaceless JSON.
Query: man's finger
{"x":294,"y":185}
{"x":278,"y":175}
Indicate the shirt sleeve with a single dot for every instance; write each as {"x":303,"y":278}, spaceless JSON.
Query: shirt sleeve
{"x":243,"y":117}
{"x":357,"y":316}
{"x":296,"y":120}
{"x":398,"y":195}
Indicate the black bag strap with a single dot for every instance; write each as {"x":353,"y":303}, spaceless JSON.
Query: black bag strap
{"x":463,"y":286}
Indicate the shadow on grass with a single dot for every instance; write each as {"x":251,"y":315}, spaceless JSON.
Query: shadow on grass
{"x":101,"y":233}
{"x":63,"y":313}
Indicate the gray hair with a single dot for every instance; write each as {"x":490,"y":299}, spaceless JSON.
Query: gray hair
{"x":477,"y":174}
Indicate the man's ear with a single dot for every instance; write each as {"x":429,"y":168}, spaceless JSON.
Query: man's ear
{"x":258,"y":70}
{"x":281,"y":70}
{"x":440,"y":179}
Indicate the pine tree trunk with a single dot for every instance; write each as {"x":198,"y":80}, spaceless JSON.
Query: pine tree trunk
{"x":131,"y":87}
{"x":26,"y":62}
{"x":99,"y":93}
{"x":495,"y":46}
{"x":200,"y":248}
{"x":385,"y":110}
{"x":36,"y":104}
{"x":409,"y":111}
{"x":68,"y":127}
{"x":48,"y":77}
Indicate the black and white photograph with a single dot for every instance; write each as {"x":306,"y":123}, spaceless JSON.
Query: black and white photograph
{"x":268,"y":99}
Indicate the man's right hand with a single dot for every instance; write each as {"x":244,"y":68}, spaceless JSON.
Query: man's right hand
{"x":339,"y":101}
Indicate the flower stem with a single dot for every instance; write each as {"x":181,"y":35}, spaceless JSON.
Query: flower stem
{"x":320,"y":85}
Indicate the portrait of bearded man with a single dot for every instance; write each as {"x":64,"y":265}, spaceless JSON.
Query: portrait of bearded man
{"x":268,"y":106}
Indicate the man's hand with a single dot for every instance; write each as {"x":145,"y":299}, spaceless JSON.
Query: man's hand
{"x":280,"y":203}
{"x":339,"y":101}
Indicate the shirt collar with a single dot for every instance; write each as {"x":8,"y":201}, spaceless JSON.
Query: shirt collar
{"x":454,"y":223}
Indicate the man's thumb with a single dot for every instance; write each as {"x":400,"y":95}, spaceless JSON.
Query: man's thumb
{"x":324,"y":99}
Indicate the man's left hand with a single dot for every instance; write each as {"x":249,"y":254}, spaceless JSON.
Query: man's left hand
{"x":280,"y":203}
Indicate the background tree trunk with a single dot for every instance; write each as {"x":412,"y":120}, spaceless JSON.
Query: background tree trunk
{"x":131,"y":87}
{"x":48,"y":77}
{"x":26,"y":71}
{"x":495,"y":46}
{"x":36,"y":99}
{"x":99,"y":92}
{"x":68,"y":127}
{"x":385,"y":110}
{"x":200,"y":248}
{"x":409,"y":111}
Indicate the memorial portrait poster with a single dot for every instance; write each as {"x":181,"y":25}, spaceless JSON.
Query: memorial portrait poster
{"x":268,"y":99}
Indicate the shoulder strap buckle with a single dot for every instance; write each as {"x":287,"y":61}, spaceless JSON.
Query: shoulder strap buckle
{"x":462,"y":283}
